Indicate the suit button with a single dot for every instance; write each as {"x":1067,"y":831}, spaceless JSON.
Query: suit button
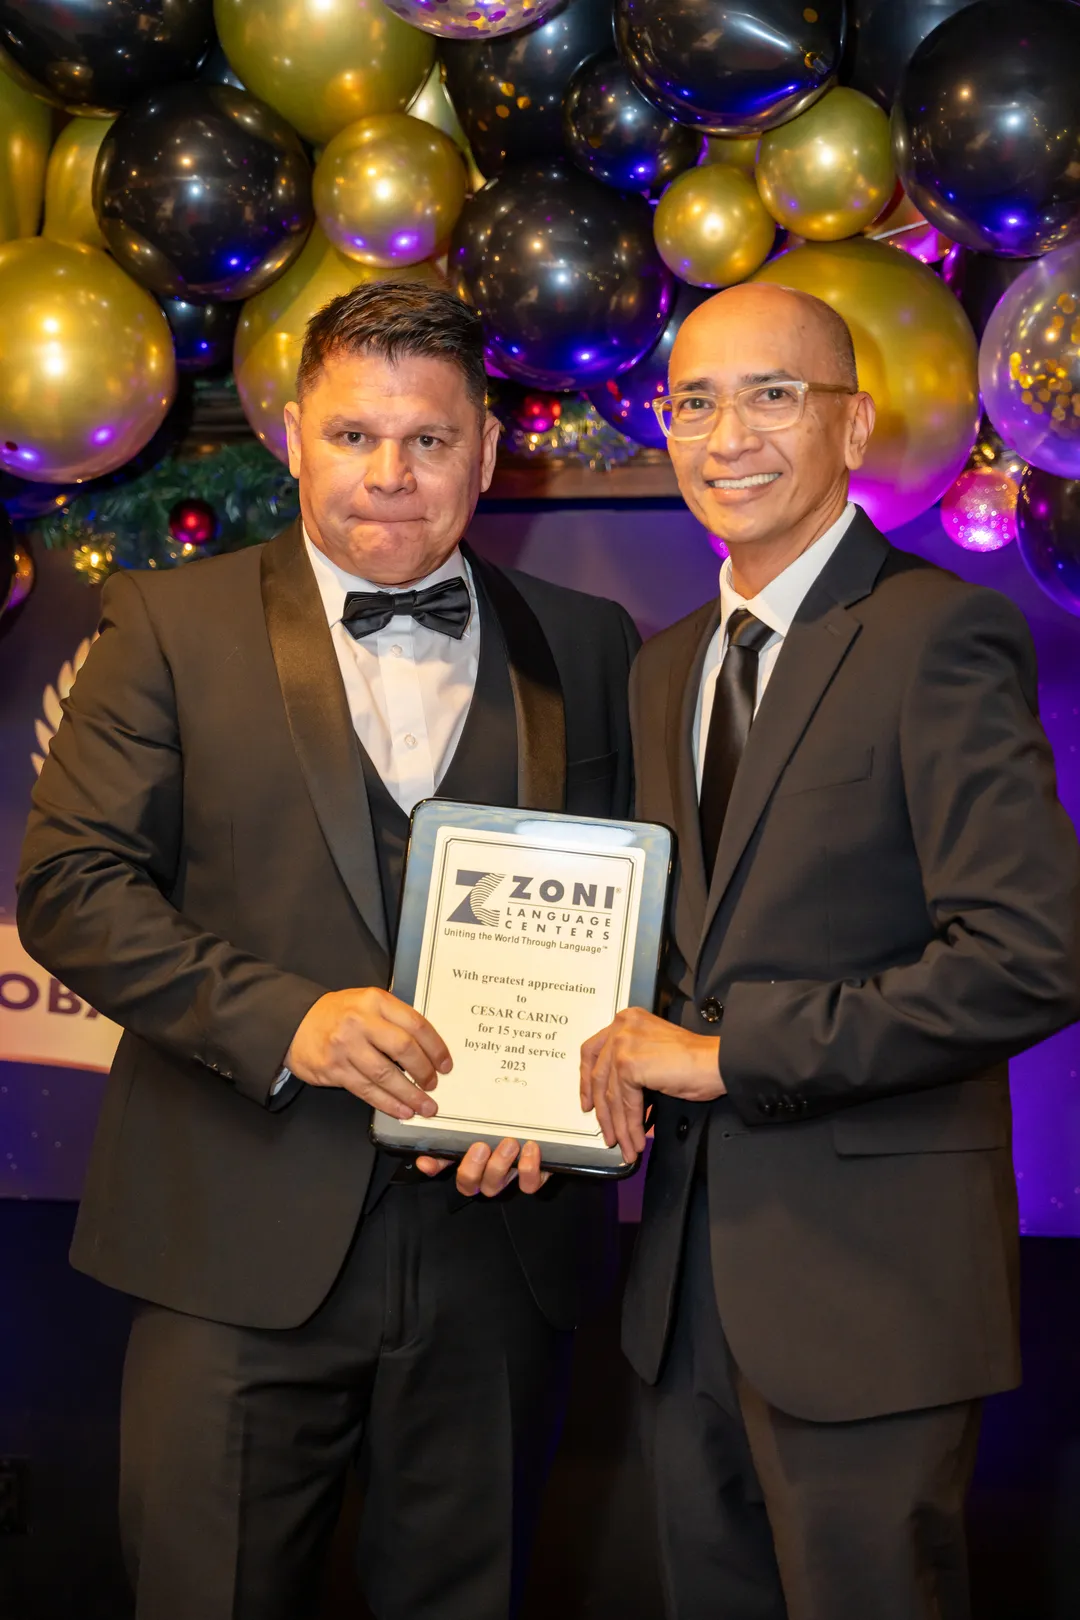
{"x":682,"y":1129}
{"x":767,"y":1106}
{"x":711,"y":1010}
{"x":788,"y":1105}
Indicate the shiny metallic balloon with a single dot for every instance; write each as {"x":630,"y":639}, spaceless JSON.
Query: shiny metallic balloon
{"x":323,"y":64}
{"x":471,"y":19}
{"x":1048,"y":535}
{"x":97,"y":56}
{"x":25,"y":133}
{"x":738,"y":151}
{"x":565,"y":274}
{"x":626,"y":400}
{"x":509,"y":92}
{"x":731,"y":67}
{"x":69,"y":183}
{"x":86,"y":362}
{"x":712,"y":227}
{"x":978,"y":511}
{"x":217,"y":69}
{"x":432,"y":105}
{"x":202,"y":333}
{"x":979,"y":280}
{"x":916,"y":355}
{"x":887,"y":35}
{"x":1029,"y":363}
{"x":615,"y":135}
{"x":829,"y":172}
{"x":203,"y":193}
{"x":986,"y":126}
{"x":270,"y":334}
{"x":388,"y":190}
{"x":900,"y":225}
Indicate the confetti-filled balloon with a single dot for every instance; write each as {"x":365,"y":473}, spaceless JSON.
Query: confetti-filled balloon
{"x":271,"y":330}
{"x":1029,"y":363}
{"x":509,"y":92}
{"x":69,"y":183}
{"x":203,"y":193}
{"x":617,"y":136}
{"x":986,"y":126}
{"x":626,"y":400}
{"x":1048,"y":535}
{"x":202,"y":333}
{"x":25,"y":132}
{"x":712,"y":227}
{"x":731,"y":69}
{"x":97,"y":56}
{"x":829,"y":172}
{"x":388,"y":190}
{"x":471,"y":19}
{"x":978,"y":511}
{"x":323,"y":64}
{"x":916,"y":355}
{"x":86,"y":362}
{"x":565,"y":274}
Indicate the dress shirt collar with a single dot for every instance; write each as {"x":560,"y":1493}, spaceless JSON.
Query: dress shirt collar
{"x":782,"y":598}
{"x":335,"y":584}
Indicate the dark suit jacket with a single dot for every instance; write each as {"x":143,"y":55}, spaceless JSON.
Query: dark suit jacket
{"x":200,"y":866}
{"x":893,"y":914}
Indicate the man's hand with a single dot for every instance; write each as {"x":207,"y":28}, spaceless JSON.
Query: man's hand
{"x":639,"y":1052}
{"x":489,"y":1170}
{"x":370,"y":1043}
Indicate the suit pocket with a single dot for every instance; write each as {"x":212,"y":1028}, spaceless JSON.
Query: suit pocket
{"x":968,"y":1116}
{"x":825,"y":768}
{"x":589,"y":784}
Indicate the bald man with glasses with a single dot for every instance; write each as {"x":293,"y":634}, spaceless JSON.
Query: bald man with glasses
{"x":875,"y":906}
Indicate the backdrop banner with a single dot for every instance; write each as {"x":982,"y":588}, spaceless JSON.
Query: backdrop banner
{"x":43,"y":1022}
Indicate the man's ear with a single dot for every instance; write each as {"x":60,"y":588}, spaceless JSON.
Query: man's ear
{"x":488,"y":449}
{"x":860,"y":427}
{"x":292,"y":433}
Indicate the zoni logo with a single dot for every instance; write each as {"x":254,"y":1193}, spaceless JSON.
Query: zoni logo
{"x":474,"y":907}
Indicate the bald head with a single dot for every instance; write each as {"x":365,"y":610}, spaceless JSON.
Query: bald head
{"x":810,"y":320}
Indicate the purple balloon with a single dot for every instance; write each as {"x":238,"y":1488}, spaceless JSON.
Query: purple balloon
{"x":626,"y":400}
{"x":1048,"y":535}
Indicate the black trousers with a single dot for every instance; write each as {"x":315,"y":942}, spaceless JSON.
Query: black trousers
{"x":429,"y":1365}
{"x":763,"y":1516}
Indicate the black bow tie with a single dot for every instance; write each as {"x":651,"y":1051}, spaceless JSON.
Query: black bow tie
{"x":445,"y":607}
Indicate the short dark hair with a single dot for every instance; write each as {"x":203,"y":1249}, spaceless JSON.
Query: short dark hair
{"x":392,"y":318}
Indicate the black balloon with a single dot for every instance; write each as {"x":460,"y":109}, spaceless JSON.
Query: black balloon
{"x":626,"y":401}
{"x":217,"y":69}
{"x":508,"y":92}
{"x":887,"y":34}
{"x":202,"y":333}
{"x":978,"y":280}
{"x":1048,"y":534}
{"x":203,"y":193}
{"x":102,"y":55}
{"x":986,"y":126}
{"x":565,"y":274}
{"x":731,"y":68}
{"x":615,"y":135}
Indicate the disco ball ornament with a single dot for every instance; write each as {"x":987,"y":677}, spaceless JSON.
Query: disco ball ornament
{"x":1048,"y":535}
{"x":471,"y":19}
{"x":193,"y":522}
{"x":978,"y":513}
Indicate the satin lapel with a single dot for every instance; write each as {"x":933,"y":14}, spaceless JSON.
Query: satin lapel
{"x":813,"y":651}
{"x":538,"y":695}
{"x":684,"y":678}
{"x":320,"y":722}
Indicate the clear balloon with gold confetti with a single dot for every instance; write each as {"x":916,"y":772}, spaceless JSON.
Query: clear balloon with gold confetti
{"x":1029,"y":363}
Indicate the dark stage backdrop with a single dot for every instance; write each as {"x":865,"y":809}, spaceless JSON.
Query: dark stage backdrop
{"x":655,"y":560}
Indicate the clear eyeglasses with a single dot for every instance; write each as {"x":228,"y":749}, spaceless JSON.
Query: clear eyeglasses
{"x":761,"y":407}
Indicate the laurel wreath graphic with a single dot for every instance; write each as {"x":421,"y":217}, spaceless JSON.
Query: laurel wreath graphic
{"x":47,"y":725}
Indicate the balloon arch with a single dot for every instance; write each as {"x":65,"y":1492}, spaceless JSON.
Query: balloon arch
{"x":183,"y":182}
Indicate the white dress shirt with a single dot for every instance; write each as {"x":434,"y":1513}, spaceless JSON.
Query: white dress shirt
{"x":408,"y":688}
{"x":776,"y":606}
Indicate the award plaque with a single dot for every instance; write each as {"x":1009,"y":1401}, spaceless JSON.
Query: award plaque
{"x":522,"y":933}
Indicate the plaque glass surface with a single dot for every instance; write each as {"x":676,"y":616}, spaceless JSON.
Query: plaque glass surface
{"x":521,"y":934}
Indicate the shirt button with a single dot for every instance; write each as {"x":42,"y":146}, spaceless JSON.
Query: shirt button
{"x":396,"y":651}
{"x":410,"y":740}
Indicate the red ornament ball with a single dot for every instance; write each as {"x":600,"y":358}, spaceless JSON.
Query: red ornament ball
{"x":194,"y":522}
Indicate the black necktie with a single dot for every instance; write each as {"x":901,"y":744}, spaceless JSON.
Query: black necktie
{"x":445,"y":607}
{"x":729,"y":727}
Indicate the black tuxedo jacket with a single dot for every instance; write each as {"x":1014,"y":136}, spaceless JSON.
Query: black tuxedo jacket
{"x":200,"y":866}
{"x":892,"y":915}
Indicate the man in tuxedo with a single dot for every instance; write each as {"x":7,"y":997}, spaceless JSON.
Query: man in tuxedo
{"x":875,"y":906}
{"x":213,"y":860}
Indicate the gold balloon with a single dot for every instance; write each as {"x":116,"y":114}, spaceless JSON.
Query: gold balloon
{"x":740,"y":151}
{"x":323,"y":64}
{"x":272,"y":324}
{"x":917,"y":357}
{"x":432,"y":104}
{"x":830,"y":171}
{"x":388,"y":190}
{"x":69,"y":179}
{"x":87,"y":370}
{"x":25,"y":133}
{"x":711,"y":226}
{"x":902,"y":226}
